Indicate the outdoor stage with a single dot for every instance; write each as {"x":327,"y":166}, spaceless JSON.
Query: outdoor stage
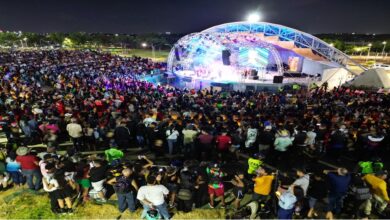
{"x":256,"y":56}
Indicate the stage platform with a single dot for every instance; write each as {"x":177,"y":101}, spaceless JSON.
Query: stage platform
{"x":241,"y":85}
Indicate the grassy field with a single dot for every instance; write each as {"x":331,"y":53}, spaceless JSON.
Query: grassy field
{"x":25,"y":204}
{"x":160,"y":55}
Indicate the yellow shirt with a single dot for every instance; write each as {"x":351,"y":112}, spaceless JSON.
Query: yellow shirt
{"x":263,"y":185}
{"x":378,"y":186}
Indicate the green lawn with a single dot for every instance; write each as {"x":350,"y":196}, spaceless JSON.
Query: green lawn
{"x":160,"y":55}
{"x":25,"y":204}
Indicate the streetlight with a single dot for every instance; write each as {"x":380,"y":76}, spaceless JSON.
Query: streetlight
{"x":368,"y":52}
{"x":25,"y":41}
{"x":253,"y":17}
{"x":144,"y":44}
{"x":384,"y":47}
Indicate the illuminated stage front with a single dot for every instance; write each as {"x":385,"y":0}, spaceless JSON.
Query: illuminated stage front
{"x":221,"y":57}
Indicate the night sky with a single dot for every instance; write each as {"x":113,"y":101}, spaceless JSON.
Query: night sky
{"x":183,"y":16}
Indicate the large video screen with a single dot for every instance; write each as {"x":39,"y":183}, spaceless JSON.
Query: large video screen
{"x":253,"y":57}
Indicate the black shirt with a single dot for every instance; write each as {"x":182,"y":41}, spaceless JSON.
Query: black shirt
{"x":98,"y":173}
{"x":317,"y":189}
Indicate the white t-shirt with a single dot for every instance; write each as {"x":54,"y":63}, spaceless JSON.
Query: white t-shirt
{"x":5,"y":179}
{"x":303,"y":182}
{"x":172,"y":135}
{"x":50,"y":181}
{"x":154,"y":194}
{"x":251,"y":134}
{"x":74,"y":130}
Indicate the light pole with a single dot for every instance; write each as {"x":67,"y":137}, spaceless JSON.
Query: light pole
{"x":25,"y":41}
{"x":253,"y":18}
{"x":384,"y":47}
{"x":368,"y":52}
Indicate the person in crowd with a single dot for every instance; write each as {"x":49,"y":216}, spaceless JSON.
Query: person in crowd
{"x":5,"y":180}
{"x":189,"y":136}
{"x":172,"y":135}
{"x":266,"y":139}
{"x":75,"y":131}
{"x":97,"y":176}
{"x":50,"y":185}
{"x":113,"y":154}
{"x":125,"y":188}
{"x":122,"y":135}
{"x":240,"y":187}
{"x":186,"y":192}
{"x":303,"y":180}
{"x":64,"y":192}
{"x":205,"y":140}
{"x":282,"y":143}
{"x":316,"y":192}
{"x":378,"y":187}
{"x":339,"y":181}
{"x":152,"y":196}
{"x":223,"y":141}
{"x":254,"y":163}
{"x":47,"y":158}
{"x":215,"y":186}
{"x":263,"y":184}
{"x":338,"y":142}
{"x":361,"y":195}
{"x":287,"y":200}
{"x":14,"y":169}
{"x":30,"y":168}
{"x":251,"y":135}
{"x":82,"y":179}
{"x":171,"y":181}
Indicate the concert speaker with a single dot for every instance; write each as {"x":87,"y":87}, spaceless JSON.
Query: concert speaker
{"x":177,"y":55}
{"x":226,"y":57}
{"x":278,"y":79}
{"x":253,"y":72}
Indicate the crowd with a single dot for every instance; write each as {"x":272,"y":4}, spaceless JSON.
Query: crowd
{"x":96,"y":101}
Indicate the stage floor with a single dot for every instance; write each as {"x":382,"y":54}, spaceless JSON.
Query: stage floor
{"x":241,"y":85}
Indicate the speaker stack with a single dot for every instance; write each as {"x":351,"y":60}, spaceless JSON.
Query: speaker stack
{"x":226,"y":57}
{"x":278,"y":79}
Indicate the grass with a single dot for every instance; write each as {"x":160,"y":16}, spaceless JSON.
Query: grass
{"x":24,"y":204}
{"x":160,"y":55}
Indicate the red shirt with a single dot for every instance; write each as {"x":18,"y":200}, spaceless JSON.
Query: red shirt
{"x":223,"y":142}
{"x":27,"y":162}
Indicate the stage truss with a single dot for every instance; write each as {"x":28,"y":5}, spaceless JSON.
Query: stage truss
{"x":299,"y":38}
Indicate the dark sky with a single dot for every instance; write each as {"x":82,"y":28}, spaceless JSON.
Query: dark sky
{"x":183,"y":16}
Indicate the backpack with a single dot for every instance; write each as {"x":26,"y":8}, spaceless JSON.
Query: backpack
{"x":122,"y":185}
{"x":184,"y":194}
{"x":361,"y":193}
{"x":153,"y":214}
